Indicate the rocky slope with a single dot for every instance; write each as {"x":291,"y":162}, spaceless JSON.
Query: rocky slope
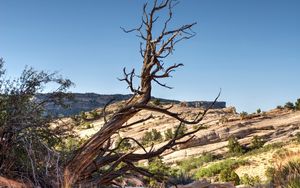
{"x":278,"y":125}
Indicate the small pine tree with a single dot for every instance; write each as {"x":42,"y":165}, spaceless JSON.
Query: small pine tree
{"x":258,"y":111}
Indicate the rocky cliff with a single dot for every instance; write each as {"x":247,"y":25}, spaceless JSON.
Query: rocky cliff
{"x":83,"y":102}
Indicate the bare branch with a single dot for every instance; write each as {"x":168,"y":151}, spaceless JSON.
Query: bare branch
{"x":128,"y":78}
{"x":137,"y":122}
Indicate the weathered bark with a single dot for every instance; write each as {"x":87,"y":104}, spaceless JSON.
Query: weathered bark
{"x":94,"y":154}
{"x":5,"y":182}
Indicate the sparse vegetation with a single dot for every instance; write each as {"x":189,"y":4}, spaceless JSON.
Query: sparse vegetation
{"x":258,"y":111}
{"x":215,"y":168}
{"x":243,"y":115}
{"x":265,"y":148}
{"x":181,"y":131}
{"x":234,"y":146}
{"x":297,"y":104}
{"x":168,"y":134}
{"x":123,"y":144}
{"x":288,"y":174}
{"x":195,"y":162}
{"x":151,"y":137}
{"x":298,"y":137}
{"x":250,"y":180}
{"x":289,"y":105}
{"x":257,"y":142}
{"x":228,"y":175}
{"x":279,"y":107}
{"x":26,"y":135}
{"x":156,"y":102}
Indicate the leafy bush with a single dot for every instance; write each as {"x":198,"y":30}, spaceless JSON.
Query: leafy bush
{"x":193,"y":163}
{"x":151,"y":136}
{"x":181,"y":131}
{"x":257,"y":142}
{"x":168,"y":134}
{"x":228,"y":175}
{"x":297,"y":104}
{"x":86,"y":125}
{"x":250,"y":180}
{"x":182,"y":178}
{"x":265,"y":148}
{"x":94,"y":114}
{"x":234,"y":146}
{"x":258,"y":111}
{"x":157,"y":167}
{"x":83,"y":115}
{"x":279,"y":107}
{"x":298,"y":137}
{"x":216,"y":168}
{"x":243,"y":115}
{"x":28,"y":141}
{"x":156,"y":102}
{"x":123,"y":144}
{"x":289,"y":105}
{"x":270,"y":173}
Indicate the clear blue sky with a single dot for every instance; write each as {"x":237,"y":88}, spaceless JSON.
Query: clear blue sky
{"x":249,"y":48}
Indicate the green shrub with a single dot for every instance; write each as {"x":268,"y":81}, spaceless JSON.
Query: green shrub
{"x":86,"y":125}
{"x":258,"y":111}
{"x":124,"y":145}
{"x":151,"y":136}
{"x":216,"y":168}
{"x":288,"y":175}
{"x":250,"y":180}
{"x":182,"y":178}
{"x":168,"y":134}
{"x":289,"y":105}
{"x":294,"y":183}
{"x":257,"y":142}
{"x":265,"y":148}
{"x":228,"y":175}
{"x":94,"y":114}
{"x":269,"y":173}
{"x":243,"y":115}
{"x":298,"y":137}
{"x":156,"y":102}
{"x":234,"y":146}
{"x":157,"y":167}
{"x":83,"y":115}
{"x":181,"y":131}
{"x":193,"y":163}
{"x":297,"y":104}
{"x":279,"y":107}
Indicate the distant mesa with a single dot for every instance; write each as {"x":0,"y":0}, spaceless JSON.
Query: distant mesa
{"x":90,"y":101}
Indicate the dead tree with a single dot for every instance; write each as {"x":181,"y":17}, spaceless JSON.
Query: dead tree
{"x":97,"y":156}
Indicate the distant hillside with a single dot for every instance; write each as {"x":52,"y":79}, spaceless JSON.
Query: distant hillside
{"x":89,"y":101}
